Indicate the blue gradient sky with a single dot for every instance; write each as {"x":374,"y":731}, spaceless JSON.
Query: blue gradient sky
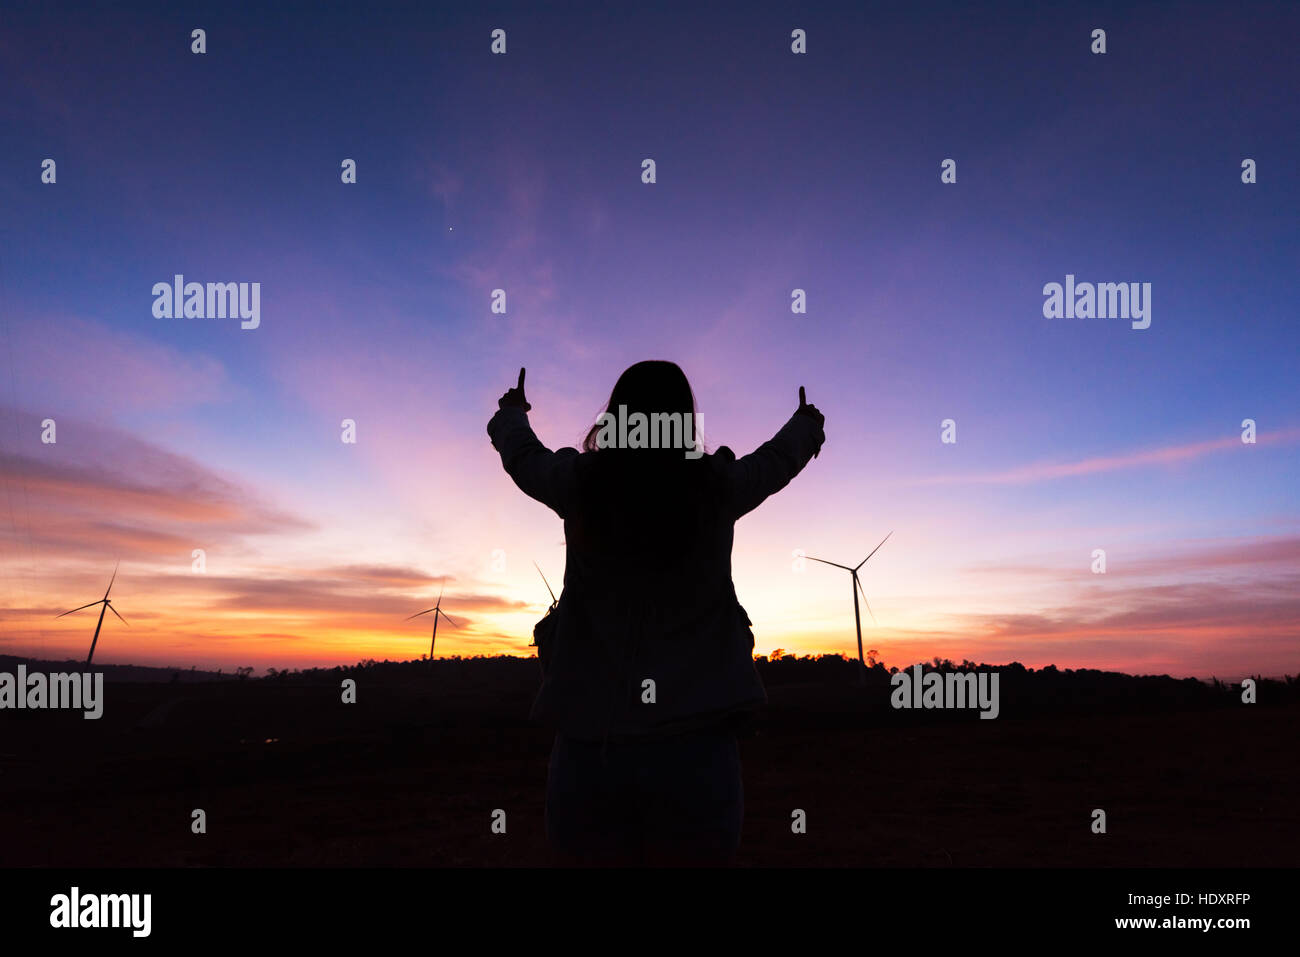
{"x":775,"y":171}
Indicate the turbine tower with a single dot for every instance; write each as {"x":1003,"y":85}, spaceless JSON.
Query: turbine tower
{"x":108,"y":606}
{"x":857,"y":615}
{"x":437,"y":610}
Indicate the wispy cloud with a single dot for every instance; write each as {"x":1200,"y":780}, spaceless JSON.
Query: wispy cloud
{"x":1186,"y":557}
{"x":388,"y":576}
{"x":1186,"y":609}
{"x":101,"y":490}
{"x":71,"y":363}
{"x":309,"y":593}
{"x":1168,"y":455}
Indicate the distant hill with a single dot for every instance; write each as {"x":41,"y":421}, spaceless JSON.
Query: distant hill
{"x":140,"y":673}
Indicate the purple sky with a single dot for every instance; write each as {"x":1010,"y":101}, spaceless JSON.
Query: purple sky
{"x":775,"y":171}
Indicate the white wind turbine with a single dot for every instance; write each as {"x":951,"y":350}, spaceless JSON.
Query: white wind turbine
{"x":437,"y":610}
{"x":857,"y":616}
{"x":108,"y":606}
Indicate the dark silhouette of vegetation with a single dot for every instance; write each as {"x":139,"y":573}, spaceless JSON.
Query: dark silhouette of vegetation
{"x":816,"y":682}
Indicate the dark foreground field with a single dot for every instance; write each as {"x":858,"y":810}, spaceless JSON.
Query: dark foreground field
{"x":411,"y":773}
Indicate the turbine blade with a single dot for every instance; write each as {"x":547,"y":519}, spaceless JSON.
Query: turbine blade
{"x":873,"y":551}
{"x":864,"y":600}
{"x":440,"y":591}
{"x":114,"y":611}
{"x":113,"y":579}
{"x":825,"y":562}
{"x":544,"y":581}
{"x":448,"y":617}
{"x":78,"y":609}
{"x":419,"y":613}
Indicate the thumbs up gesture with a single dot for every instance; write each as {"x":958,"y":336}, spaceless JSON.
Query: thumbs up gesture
{"x":515,"y":396}
{"x":809,"y":410}
{"x":812,"y":412}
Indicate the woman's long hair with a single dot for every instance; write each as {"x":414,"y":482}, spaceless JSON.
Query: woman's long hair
{"x":649,"y":387}
{"x":645,"y":510}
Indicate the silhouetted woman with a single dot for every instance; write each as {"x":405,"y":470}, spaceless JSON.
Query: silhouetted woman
{"x":647,"y":660}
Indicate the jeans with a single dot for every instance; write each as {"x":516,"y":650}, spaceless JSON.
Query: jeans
{"x":676,"y":800}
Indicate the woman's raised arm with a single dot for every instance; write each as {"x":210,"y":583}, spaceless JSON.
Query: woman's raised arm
{"x":771,"y":466}
{"x":540,"y":473}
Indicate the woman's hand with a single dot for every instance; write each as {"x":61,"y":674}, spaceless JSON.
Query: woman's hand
{"x":804,"y":408}
{"x":515,"y":396}
{"x":810,"y":411}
